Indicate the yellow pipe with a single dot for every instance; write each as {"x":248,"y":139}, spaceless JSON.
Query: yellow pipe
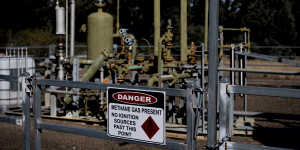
{"x":206,"y":31}
{"x":157,"y":49}
{"x":82,"y":61}
{"x":118,"y":17}
{"x":206,"y":25}
{"x":93,"y":69}
{"x":156,"y":26}
{"x":152,"y":80}
{"x":173,"y":76}
{"x":183,"y":31}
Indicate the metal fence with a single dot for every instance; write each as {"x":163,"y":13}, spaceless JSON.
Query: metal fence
{"x":24,"y":122}
{"x":42,"y":125}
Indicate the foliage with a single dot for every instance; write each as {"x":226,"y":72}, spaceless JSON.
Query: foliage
{"x":29,"y":37}
{"x":272,"y":22}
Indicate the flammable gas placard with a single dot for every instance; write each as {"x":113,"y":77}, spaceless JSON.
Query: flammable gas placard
{"x":136,"y":115}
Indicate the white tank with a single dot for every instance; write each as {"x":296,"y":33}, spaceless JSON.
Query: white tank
{"x":8,"y":89}
{"x":60,"y":20}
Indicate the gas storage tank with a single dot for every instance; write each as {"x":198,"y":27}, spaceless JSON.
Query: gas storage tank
{"x":100,"y":33}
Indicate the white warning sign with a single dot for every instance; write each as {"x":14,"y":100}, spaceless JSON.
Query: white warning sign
{"x":136,"y":115}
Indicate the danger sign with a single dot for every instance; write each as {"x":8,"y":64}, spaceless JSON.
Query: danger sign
{"x":136,"y":115}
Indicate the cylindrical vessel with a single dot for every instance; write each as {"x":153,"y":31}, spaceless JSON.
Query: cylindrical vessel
{"x":60,"y":20}
{"x":72,"y":41}
{"x":100,"y":33}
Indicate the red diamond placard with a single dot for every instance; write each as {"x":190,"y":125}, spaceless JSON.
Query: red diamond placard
{"x":150,"y":127}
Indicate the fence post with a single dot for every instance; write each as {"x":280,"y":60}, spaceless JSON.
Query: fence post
{"x":26,"y":111}
{"x":212,"y":73}
{"x":224,"y":112}
{"x":37,"y":115}
{"x":190,"y":104}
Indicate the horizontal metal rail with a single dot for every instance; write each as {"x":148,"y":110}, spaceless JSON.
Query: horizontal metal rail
{"x":270,"y":58}
{"x":264,"y":91}
{"x":243,"y":146}
{"x":260,"y":71}
{"x":9,"y":78}
{"x":99,"y":86}
{"x":101,"y":134}
{"x":10,"y":120}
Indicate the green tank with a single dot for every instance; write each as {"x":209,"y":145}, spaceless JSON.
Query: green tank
{"x":100,"y":33}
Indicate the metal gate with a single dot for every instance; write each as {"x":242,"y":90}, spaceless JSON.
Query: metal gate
{"x":42,"y":125}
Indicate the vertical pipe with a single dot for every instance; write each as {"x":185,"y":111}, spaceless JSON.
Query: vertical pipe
{"x":37,"y":117}
{"x":156,"y":26}
{"x":157,"y":33}
{"x":22,"y":63}
{"x":26,"y":54}
{"x":183,"y":31}
{"x":223,"y":113}
{"x":26,"y":116}
{"x":67,"y":27}
{"x":212,"y":73}
{"x":101,"y":93}
{"x":232,"y":64}
{"x":206,"y":25}
{"x":230,"y":114}
{"x":118,"y":17}
{"x":9,"y":59}
{"x":245,"y":67}
{"x":203,"y":87}
{"x":241,"y":66}
{"x":53,"y":108}
{"x":72,"y":40}
{"x":191,"y":139}
{"x":18,"y":74}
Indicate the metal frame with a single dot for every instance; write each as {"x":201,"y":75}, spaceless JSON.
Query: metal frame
{"x":41,"y":125}
{"x":25,"y":120}
{"x":212,"y":73}
{"x":227,"y":90}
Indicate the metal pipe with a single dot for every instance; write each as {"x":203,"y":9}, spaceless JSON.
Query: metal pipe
{"x":173,"y":77}
{"x":72,"y":41}
{"x":18,"y":74}
{"x":206,"y":25}
{"x":93,"y":69}
{"x":183,"y":31}
{"x":82,"y":61}
{"x":223,"y":113}
{"x":26,"y":55}
{"x":203,"y":87}
{"x":245,"y":67}
{"x":67,"y":28}
{"x":241,"y":66}
{"x":157,"y":50}
{"x":232,"y":64}
{"x":156,"y":26}
{"x":118,"y":17}
{"x":191,"y":139}
{"x":37,"y":117}
{"x":212,"y":73}
{"x":152,"y":80}
{"x":101,"y":93}
{"x":134,"y":67}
